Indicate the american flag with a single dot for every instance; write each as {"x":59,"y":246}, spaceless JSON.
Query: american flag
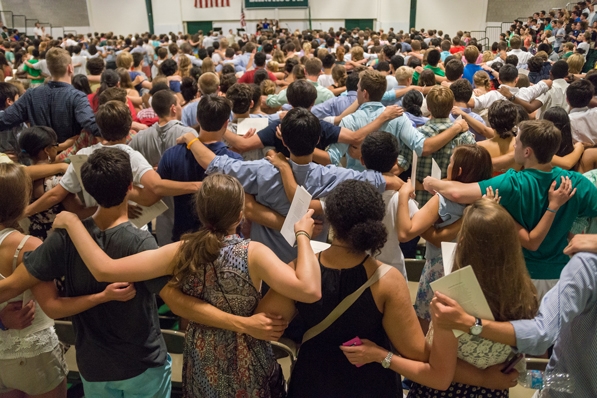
{"x":211,"y":3}
{"x":243,"y":23}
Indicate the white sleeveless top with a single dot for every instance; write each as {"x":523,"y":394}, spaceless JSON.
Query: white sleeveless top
{"x":34,"y":340}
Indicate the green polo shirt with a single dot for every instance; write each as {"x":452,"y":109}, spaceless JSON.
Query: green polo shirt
{"x":525,"y":196}
{"x":436,"y":70}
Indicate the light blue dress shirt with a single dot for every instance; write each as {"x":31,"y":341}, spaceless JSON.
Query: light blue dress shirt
{"x":400,"y":127}
{"x":334,"y":106}
{"x":262,"y":179}
{"x":568,"y":318}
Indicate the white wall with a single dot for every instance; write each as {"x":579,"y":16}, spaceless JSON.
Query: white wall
{"x":451,"y":15}
{"x":119,"y":16}
{"x":169,"y":15}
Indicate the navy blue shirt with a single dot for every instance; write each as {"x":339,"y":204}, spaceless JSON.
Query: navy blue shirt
{"x":329,"y":136}
{"x":55,"y":104}
{"x":179,"y":164}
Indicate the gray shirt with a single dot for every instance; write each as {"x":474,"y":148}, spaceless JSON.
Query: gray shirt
{"x":153,"y":141}
{"x":115,"y":340}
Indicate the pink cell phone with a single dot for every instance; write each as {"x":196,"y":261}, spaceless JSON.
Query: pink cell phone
{"x":354,"y":342}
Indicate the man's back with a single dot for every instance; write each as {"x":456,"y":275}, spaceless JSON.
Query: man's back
{"x":115,"y":340}
{"x":179,"y":164}
{"x":154,"y":141}
{"x":525,"y":195}
{"x":57,"y":105}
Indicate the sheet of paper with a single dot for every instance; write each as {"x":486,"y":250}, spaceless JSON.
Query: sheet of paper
{"x":463,"y":286}
{"x":436,"y":172}
{"x":149,"y":213}
{"x":298,"y":208}
{"x":257,"y":123}
{"x":413,"y":173}
{"x":523,"y":72}
{"x":551,"y":39}
{"x":319,"y":246}
{"x":448,"y":249}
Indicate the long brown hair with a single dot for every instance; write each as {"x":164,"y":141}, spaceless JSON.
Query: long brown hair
{"x":15,"y":193}
{"x":219,"y":204}
{"x":498,"y":264}
{"x":475,"y":162}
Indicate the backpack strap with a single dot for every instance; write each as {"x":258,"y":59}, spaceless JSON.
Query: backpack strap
{"x":345,"y":304}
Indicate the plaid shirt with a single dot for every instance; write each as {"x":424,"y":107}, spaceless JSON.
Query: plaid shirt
{"x":430,"y":129}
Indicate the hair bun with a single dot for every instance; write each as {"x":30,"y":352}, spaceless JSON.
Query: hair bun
{"x":368,"y":236}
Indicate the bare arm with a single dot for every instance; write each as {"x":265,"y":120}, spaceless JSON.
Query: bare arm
{"x":321,"y":157}
{"x":241,"y":143}
{"x":196,"y":310}
{"x":47,"y":200}
{"x":19,"y":281}
{"x":261,"y":214}
{"x":408,"y":228}
{"x":39,"y":171}
{"x":202,"y":154}
{"x":504,"y":162}
{"x":351,"y":109}
{"x":435,"y":143}
{"x":532,"y":240}
{"x":569,"y":161}
{"x":302,"y":283}
{"x":446,"y":234}
{"x":453,"y":190}
{"x":357,"y":137}
{"x":56,"y":307}
{"x":152,"y":181}
{"x":476,"y":125}
{"x":138,"y":267}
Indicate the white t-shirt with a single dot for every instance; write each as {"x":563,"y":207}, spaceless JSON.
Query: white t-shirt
{"x":79,"y":59}
{"x":325,"y":80}
{"x":391,"y":253}
{"x":71,"y":182}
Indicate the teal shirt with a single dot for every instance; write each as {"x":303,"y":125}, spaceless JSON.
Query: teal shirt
{"x":525,"y":195}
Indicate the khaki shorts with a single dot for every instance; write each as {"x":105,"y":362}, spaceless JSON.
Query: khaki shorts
{"x":33,"y":376}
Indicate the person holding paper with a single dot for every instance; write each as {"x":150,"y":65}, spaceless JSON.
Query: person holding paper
{"x":525,"y":195}
{"x":300,"y":131}
{"x":567,"y":319}
{"x":216,"y":265}
{"x":468,"y":164}
{"x":114,"y":119}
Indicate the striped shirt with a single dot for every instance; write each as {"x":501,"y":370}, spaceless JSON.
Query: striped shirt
{"x":568,"y":318}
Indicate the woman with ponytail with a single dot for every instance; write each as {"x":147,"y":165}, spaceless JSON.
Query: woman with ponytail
{"x":381,"y":315}
{"x":216,"y":265}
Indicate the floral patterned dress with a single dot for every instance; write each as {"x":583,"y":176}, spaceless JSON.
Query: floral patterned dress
{"x":449,"y":212}
{"x":221,"y":363}
{"x":41,"y":223}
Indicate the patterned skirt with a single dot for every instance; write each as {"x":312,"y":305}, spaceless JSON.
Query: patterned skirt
{"x":456,"y":391}
{"x":432,"y":271}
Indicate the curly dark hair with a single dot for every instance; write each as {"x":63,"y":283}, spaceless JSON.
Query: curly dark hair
{"x":355,"y":210}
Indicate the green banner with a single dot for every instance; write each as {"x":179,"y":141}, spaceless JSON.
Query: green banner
{"x":275,"y":3}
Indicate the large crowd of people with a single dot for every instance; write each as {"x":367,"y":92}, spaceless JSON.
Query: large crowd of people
{"x":95,"y":129}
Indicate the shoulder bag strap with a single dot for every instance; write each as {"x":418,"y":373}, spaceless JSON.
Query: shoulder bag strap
{"x":345,"y":304}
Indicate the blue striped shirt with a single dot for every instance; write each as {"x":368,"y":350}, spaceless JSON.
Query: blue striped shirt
{"x":568,"y":318}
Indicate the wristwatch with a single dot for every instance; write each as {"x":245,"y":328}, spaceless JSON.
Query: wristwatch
{"x":387,"y":360}
{"x":477,"y":328}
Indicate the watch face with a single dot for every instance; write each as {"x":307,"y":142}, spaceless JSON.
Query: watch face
{"x":476,"y":330}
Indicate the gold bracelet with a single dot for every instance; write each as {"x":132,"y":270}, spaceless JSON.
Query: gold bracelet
{"x":191,"y":143}
{"x":302,"y":233}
